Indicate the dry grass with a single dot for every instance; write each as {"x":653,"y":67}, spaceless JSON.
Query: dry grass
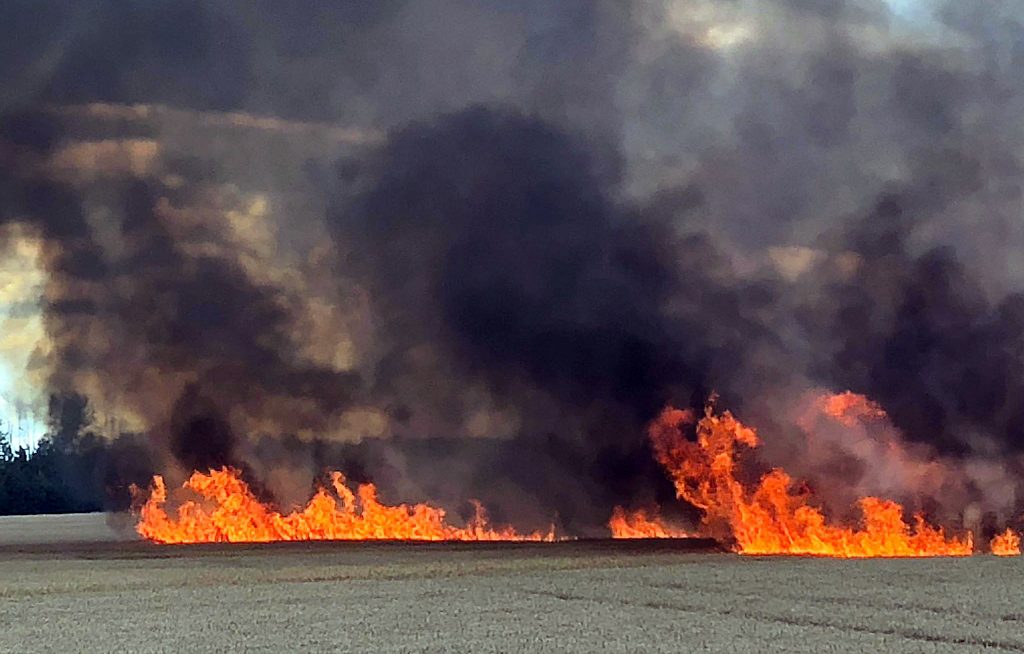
{"x":581,"y":597}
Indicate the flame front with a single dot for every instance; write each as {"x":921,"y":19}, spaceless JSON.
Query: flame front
{"x":640,"y":524}
{"x":773,"y":516}
{"x":230,"y":513}
{"x":1006,"y":544}
{"x":770,"y":516}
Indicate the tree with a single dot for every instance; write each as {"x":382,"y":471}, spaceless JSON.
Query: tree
{"x":72,"y":468}
{"x":69,"y":417}
{"x":6,"y":453}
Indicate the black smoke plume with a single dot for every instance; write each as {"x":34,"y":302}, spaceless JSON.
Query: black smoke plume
{"x":491,"y":241}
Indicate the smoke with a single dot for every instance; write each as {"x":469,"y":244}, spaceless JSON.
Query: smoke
{"x":496,"y":259}
{"x":150,"y":299}
{"x":492,"y":244}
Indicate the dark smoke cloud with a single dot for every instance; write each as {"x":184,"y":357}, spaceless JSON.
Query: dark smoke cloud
{"x":489,"y":240}
{"x":577,"y":212}
{"x":920,"y":334}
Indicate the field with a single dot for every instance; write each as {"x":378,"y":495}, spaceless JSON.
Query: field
{"x":75,"y":584}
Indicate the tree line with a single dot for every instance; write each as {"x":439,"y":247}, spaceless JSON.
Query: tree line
{"x":72,"y":468}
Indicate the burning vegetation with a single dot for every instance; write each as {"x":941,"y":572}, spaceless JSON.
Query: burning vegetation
{"x":774,"y":515}
{"x":228,"y":512}
{"x":1006,"y":544}
{"x":641,"y":524}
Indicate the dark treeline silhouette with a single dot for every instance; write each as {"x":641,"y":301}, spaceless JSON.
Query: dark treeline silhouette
{"x":72,"y":468}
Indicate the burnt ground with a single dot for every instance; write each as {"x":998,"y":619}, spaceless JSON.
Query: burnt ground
{"x":81,"y":586}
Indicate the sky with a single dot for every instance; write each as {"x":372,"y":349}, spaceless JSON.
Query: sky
{"x":916,"y":14}
{"x":22,"y":332}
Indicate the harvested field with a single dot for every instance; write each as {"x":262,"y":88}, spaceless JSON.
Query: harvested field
{"x":65,"y":529}
{"x":71,"y":593}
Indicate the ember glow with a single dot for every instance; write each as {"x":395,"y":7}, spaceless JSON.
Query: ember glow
{"x":773,"y":516}
{"x":226,"y":511}
{"x":1006,"y":544}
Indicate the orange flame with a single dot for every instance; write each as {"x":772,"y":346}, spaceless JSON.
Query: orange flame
{"x":640,"y":524}
{"x":773,"y":517}
{"x":230,"y":513}
{"x":849,"y":408}
{"x":1006,"y":544}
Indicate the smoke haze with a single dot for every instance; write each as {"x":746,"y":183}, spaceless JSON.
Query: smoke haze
{"x":467,"y":249}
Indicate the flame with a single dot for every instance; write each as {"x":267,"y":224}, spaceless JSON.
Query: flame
{"x":770,"y":516}
{"x":230,"y":513}
{"x":773,"y":516}
{"x":849,"y":408}
{"x":1006,"y":544}
{"x":640,"y":524}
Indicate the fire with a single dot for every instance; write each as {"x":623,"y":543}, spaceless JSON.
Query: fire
{"x":640,"y":524}
{"x":772,"y":516}
{"x":1006,"y":544}
{"x":849,"y":408}
{"x":229,"y":513}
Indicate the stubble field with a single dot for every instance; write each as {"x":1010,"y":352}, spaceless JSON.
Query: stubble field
{"x":73,"y":584}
